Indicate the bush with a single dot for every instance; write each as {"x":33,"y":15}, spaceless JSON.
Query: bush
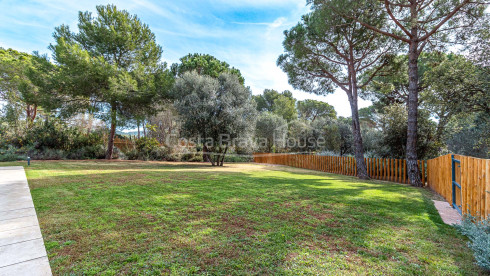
{"x":479,"y":234}
{"x":131,"y":154}
{"x":54,"y":140}
{"x":159,"y":153}
{"x":47,"y":135}
{"x":87,"y":152}
{"x":48,"y":154}
{"x":238,"y":158}
{"x":146,"y":145}
{"x":11,"y":154}
{"x":147,"y":149}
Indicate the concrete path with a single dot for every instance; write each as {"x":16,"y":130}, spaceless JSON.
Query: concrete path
{"x":448,"y":214}
{"x":22,"y":249}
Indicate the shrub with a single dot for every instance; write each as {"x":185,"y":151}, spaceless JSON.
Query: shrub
{"x":146,"y":145}
{"x":53,"y":140}
{"x":238,"y":158}
{"x":478,"y":233}
{"x":131,"y":154}
{"x":48,"y":154}
{"x":11,"y":154}
{"x":160,"y":153}
{"x":50,"y":134}
{"x":87,"y":152}
{"x":147,"y":149}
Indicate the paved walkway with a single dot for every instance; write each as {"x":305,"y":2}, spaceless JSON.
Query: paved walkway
{"x":22,"y":249}
{"x":448,"y":214}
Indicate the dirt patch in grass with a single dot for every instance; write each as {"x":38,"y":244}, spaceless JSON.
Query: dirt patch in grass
{"x":237,"y":225}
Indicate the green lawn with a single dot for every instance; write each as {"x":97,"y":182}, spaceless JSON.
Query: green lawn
{"x":152,"y":218}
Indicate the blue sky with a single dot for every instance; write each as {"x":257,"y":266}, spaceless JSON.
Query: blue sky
{"x":247,"y":34}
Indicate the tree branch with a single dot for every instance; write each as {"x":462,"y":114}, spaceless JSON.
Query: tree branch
{"x":372,"y":28}
{"x":448,"y":16}
{"x":387,"y":7}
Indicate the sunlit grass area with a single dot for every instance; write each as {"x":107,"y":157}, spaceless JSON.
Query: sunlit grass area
{"x":173,"y":218}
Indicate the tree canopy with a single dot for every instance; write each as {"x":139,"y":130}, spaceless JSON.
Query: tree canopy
{"x":313,"y":109}
{"x":17,"y":88}
{"x":282,"y":104}
{"x":111,"y":66}
{"x":204,"y":64}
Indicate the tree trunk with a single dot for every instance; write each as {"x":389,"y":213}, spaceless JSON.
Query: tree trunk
{"x":210,"y":157}
{"x":205,"y":155}
{"x":110,"y":145}
{"x":356,"y":132}
{"x":34,"y":113}
{"x":31,"y":113}
{"x":139,"y":136}
{"x":413,"y":102}
{"x":223,"y":157}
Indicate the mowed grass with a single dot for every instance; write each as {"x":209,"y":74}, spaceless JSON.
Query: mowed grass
{"x":150,"y":218}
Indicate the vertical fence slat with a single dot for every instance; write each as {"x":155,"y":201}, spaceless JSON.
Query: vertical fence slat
{"x":395,"y":174}
{"x":372,"y":167}
{"x":487,"y":189}
{"x":481,"y":186}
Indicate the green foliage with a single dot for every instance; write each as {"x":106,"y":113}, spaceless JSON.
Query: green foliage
{"x":270,"y":132}
{"x":110,"y":67}
{"x":22,"y":95}
{"x":11,"y":153}
{"x":214,"y":110}
{"x":478,"y":232}
{"x":393,"y":124}
{"x":145,"y":145}
{"x":326,"y":50}
{"x":147,"y":148}
{"x":282,"y":104}
{"x":204,"y":64}
{"x":53,"y":134}
{"x":313,"y":109}
{"x":265,"y":101}
{"x":52,"y":139}
{"x":450,"y":84}
{"x":457,"y":85}
{"x":469,"y":135}
{"x":285,"y":107}
{"x":301,"y":133}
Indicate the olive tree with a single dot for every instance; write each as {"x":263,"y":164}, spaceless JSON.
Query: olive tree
{"x":215,"y":112}
{"x":270,"y":131}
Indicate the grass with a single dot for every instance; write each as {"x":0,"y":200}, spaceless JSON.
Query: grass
{"x":152,"y":218}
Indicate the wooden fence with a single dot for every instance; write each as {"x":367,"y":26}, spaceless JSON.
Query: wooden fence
{"x":394,"y":170}
{"x":123,"y":144}
{"x":473,"y":174}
